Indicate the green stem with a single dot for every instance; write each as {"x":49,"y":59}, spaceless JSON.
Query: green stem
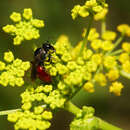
{"x":123,"y":73}
{"x":103,"y":26}
{"x":69,"y":106}
{"x":6,"y":112}
{"x":86,"y":36}
{"x":103,"y":125}
{"x":116,"y":52}
{"x":116,"y":44}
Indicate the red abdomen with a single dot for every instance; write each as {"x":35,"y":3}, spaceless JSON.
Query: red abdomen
{"x":43,"y":75}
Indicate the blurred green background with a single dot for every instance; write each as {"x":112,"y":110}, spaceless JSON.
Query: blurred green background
{"x":56,"y":14}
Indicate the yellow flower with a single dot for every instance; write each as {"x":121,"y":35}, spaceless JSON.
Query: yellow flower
{"x":107,"y":45}
{"x":19,"y":81}
{"x":91,"y":3}
{"x":101,"y":14}
{"x":83,"y":11}
{"x":27,"y":14}
{"x":109,"y":35}
{"x":37,"y":23}
{"x":97,"y":58}
{"x":8,"y":56}
{"x":87,"y":53}
{"x":91,"y":66}
{"x":97,"y":9}
{"x":47,"y":115}
{"x":93,"y":34}
{"x":24,"y":29}
{"x":66,"y":57}
{"x":16,"y":17}
{"x":89,"y":87}
{"x":38,"y":110}
{"x":124,"y":28}
{"x":80,"y":61}
{"x":71,"y":65}
{"x":53,"y":71}
{"x":113,"y":74}
{"x":2,"y":65}
{"x":101,"y":79}
{"x":13,"y":117}
{"x":109,"y":62}
{"x":47,"y":88}
{"x":62,"y":69}
{"x":126,"y":66}
{"x":124,"y":57}
{"x":75,"y":11}
{"x":116,"y":88}
{"x":96,"y":44}
{"x":126,"y":46}
{"x":26,"y":106}
{"x":9,"y":28}
{"x":17,"y":40}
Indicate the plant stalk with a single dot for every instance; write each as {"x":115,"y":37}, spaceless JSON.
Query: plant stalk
{"x":86,"y":36}
{"x":103,"y":26}
{"x":103,"y":125}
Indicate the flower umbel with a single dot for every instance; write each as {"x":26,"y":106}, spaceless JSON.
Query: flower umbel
{"x":26,"y":28}
{"x":12,"y":73}
{"x":94,"y":61}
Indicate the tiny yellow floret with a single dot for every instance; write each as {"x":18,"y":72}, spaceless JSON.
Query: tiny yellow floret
{"x":109,"y":62}
{"x":89,"y":87}
{"x":113,"y":74}
{"x":9,"y":28}
{"x":124,"y":29}
{"x":83,"y":11}
{"x":8,"y":56}
{"x":109,"y":35}
{"x":37,"y":23}
{"x":38,"y":110}
{"x":124,"y":57}
{"x":126,"y":46}
{"x":47,"y":115}
{"x":116,"y":88}
{"x":2,"y":65}
{"x":27,"y":14}
{"x":16,"y":17}
{"x":101,"y":79}
{"x":126,"y":66}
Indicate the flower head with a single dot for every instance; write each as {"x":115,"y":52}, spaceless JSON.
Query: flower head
{"x":24,"y":29}
{"x":13,"y":73}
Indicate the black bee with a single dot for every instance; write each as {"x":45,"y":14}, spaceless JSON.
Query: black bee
{"x":42,"y":55}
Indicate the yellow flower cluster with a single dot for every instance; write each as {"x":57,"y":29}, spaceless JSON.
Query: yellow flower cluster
{"x":12,"y":74}
{"x":124,"y":29}
{"x":24,"y":29}
{"x":124,"y":57}
{"x":31,"y":120}
{"x":97,"y":8}
{"x":86,"y":70}
{"x":85,"y":120}
{"x":37,"y":117}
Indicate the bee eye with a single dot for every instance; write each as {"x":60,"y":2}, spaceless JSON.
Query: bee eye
{"x":38,"y":51}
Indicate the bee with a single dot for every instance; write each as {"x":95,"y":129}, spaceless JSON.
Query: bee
{"x":42,"y":55}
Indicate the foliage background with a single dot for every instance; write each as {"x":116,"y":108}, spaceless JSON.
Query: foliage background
{"x":56,"y":14}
